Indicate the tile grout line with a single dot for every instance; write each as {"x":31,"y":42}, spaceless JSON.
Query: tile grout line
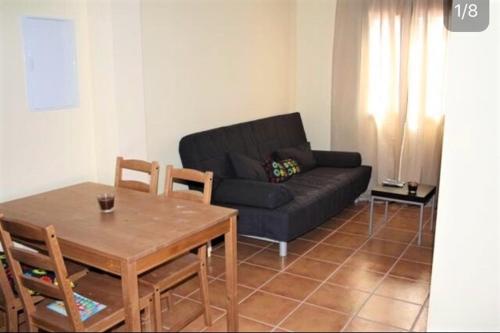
{"x":214,"y":321}
{"x":218,"y":277}
{"x":333,"y":273}
{"x":188,"y":299}
{"x":270,"y":246}
{"x":242,"y":316}
{"x":223,"y":310}
{"x":258,"y":289}
{"x":369,"y":320}
{"x":224,"y":313}
{"x":356,"y":313}
{"x":420,"y":312}
{"x":317,"y":305}
{"x":332,"y":283}
{"x":359,"y":235}
{"x":295,"y":260}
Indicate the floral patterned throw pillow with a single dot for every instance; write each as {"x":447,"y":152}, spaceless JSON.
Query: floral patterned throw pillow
{"x":280,"y":171}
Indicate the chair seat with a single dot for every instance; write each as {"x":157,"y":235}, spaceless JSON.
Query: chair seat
{"x":101,"y":288}
{"x":172,"y":272}
{"x":75,"y":271}
{"x":18,"y":304}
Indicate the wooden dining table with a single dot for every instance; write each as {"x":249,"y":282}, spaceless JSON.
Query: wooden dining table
{"x":143,"y":232}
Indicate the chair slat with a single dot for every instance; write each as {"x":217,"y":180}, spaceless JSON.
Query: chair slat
{"x":137,"y":165}
{"x":152,"y":169}
{"x":33,"y":259}
{"x":134,"y":185}
{"x":188,"y":195}
{"x":23,"y":230}
{"x":41,"y":287}
{"x":189,"y":174}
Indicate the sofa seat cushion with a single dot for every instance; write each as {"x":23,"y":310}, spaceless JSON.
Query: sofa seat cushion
{"x":252,"y":193}
{"x":322,"y":193}
{"x":317,"y":195}
{"x":322,"y":180}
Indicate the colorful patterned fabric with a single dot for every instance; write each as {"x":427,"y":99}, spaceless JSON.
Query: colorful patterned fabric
{"x":280,"y":171}
{"x":86,"y":306}
{"x":292,"y":166}
{"x":276,"y":172}
{"x":48,"y":277}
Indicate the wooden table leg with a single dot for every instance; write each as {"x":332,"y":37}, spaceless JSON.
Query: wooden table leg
{"x":230,"y":239}
{"x":130,"y":289}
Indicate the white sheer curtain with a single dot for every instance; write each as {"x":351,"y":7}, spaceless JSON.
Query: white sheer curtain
{"x":388,"y":70}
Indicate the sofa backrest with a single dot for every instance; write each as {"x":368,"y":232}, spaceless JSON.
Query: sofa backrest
{"x":208,"y":150}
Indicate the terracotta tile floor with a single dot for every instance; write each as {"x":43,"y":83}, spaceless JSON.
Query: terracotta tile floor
{"x":335,"y":278}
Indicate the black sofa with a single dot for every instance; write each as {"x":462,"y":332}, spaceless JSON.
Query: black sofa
{"x":283,"y":211}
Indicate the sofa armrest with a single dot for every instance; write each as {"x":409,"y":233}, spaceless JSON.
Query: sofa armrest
{"x":251,"y":193}
{"x":337,"y":159}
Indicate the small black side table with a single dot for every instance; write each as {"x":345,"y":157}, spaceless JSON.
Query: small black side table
{"x":386,"y":193}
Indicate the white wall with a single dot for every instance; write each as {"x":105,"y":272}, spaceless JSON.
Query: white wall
{"x":117,"y":80}
{"x":212,"y":63}
{"x":465,"y":291}
{"x":2,"y":96}
{"x":42,"y":150}
{"x":105,"y":124}
{"x":315,"y":25}
{"x":153,"y":71}
{"x":230,"y":61}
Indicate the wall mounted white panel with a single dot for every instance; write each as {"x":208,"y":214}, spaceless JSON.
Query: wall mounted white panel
{"x":50,"y":62}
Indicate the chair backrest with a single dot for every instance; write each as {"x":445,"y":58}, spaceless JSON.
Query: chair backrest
{"x":189,"y":175}
{"x":152,"y":169}
{"x":53,"y":262}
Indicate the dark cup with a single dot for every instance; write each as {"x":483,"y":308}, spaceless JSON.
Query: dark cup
{"x":106,"y":202}
{"x":412,"y":188}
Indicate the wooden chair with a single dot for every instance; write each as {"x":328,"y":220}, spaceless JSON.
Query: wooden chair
{"x":152,"y":169}
{"x":101,"y":288}
{"x":180,"y":269}
{"x":11,"y":304}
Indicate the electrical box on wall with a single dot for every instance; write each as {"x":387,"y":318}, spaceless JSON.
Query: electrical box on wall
{"x":50,"y":62}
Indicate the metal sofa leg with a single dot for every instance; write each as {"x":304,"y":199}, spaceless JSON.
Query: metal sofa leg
{"x":283,"y":249}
